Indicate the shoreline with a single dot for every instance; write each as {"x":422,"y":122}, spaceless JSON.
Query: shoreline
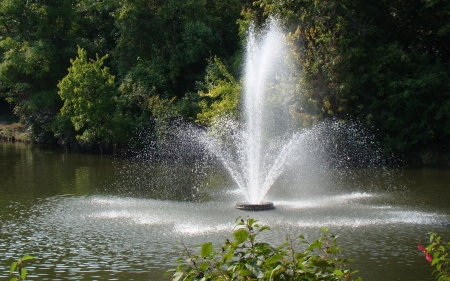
{"x":17,"y":131}
{"x":14,"y":131}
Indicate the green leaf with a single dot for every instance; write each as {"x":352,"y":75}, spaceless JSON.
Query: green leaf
{"x":177,"y":276}
{"x":244,"y":272}
{"x":27,"y":257}
{"x":321,"y":263}
{"x":228,"y":255}
{"x":23,"y":274}
{"x":300,"y":256}
{"x":273,"y":259}
{"x":264,"y":228}
{"x":338,"y":272}
{"x":240,"y":235}
{"x":316,"y":244}
{"x":435,"y":261}
{"x":13,"y":267}
{"x":276,"y":270}
{"x":203,"y":266}
{"x":14,"y":279}
{"x":206,"y":250}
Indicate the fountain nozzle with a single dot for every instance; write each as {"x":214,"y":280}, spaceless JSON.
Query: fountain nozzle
{"x":263,"y":206}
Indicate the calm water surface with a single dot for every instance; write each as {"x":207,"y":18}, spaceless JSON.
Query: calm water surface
{"x":92,"y":217}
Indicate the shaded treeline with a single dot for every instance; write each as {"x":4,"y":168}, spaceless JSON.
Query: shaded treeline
{"x":93,"y":74}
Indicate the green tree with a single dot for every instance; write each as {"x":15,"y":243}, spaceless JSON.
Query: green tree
{"x":94,"y":25}
{"x":165,"y":45}
{"x":384,"y":62}
{"x":410,"y":100}
{"x":323,"y":35}
{"x":221,"y":94}
{"x":24,"y":70}
{"x":90,"y":101}
{"x":35,"y":40}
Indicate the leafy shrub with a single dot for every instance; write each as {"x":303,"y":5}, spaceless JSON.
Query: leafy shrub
{"x":437,"y":254}
{"x":245,"y":258}
{"x":21,"y":270}
{"x":220,"y":96}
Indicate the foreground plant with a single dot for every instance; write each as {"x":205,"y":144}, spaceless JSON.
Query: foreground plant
{"x":438,"y":254}
{"x":245,"y":258}
{"x":21,"y":270}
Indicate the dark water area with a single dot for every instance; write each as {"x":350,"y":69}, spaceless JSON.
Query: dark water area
{"x":93,"y":217}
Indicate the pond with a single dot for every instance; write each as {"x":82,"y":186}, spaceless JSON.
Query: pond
{"x":93,"y":217}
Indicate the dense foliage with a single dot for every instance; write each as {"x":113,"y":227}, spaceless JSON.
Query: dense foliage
{"x":437,"y":253}
{"x":90,"y":102}
{"x":247,"y":258}
{"x":384,"y":62}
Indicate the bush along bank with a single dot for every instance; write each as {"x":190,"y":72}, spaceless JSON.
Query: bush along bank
{"x":245,"y":258}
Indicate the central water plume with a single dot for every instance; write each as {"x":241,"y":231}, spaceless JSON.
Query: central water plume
{"x":255,"y":151}
{"x":258,"y":150}
{"x":264,"y":68}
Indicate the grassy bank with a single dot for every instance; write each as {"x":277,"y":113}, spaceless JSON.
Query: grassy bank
{"x":14,"y":131}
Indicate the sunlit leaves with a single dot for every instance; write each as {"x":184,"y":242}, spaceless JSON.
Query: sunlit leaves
{"x":89,"y":96}
{"x":21,"y":270}
{"x":206,"y":250}
{"x":240,"y":235}
{"x":245,"y":258}
{"x":24,"y":59}
{"x":87,"y":90}
{"x":437,"y":253}
{"x":221,"y":96}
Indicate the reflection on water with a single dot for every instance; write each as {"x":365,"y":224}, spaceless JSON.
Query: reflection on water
{"x":79,"y":216}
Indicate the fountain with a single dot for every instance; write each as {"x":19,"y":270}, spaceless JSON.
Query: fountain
{"x":261,"y":147}
{"x":255,"y":153}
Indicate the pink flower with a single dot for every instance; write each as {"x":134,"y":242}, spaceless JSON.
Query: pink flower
{"x":427,"y":255}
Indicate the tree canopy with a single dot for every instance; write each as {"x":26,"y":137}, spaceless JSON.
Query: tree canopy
{"x":81,"y":72}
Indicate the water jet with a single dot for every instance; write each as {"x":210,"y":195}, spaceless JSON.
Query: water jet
{"x":264,"y":145}
{"x":254,"y":150}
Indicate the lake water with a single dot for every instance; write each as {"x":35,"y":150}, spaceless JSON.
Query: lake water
{"x":93,"y":217}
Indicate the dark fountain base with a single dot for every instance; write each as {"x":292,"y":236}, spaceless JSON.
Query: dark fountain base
{"x":263,"y":206}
